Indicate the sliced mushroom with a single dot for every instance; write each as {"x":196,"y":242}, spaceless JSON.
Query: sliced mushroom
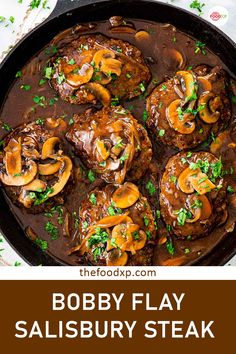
{"x":190,"y":180}
{"x":13,"y":161}
{"x":188,"y":83}
{"x":80,"y":77}
{"x":205,"y":84}
{"x":30,"y":148}
{"x":126,"y":195}
{"x":53,"y":123}
{"x":49,"y":168}
{"x":206,"y":114}
{"x":102,"y":55}
{"x":121,"y":236}
{"x":111,"y":66}
{"x":184,"y":180}
{"x":219,"y":141}
{"x":140,"y":242}
{"x":37,"y":185}
{"x":102,"y":150}
{"x":49,"y":147}
{"x":116,"y":258}
{"x":110,"y":221}
{"x":184,"y":125}
{"x":23,"y":178}
{"x":99,"y":92}
{"x":172,"y":58}
{"x":200,"y":207}
{"x":201,"y":183}
{"x":141,"y":36}
{"x":63,"y":175}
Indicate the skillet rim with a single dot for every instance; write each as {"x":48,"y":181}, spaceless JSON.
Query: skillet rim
{"x":28,"y":251}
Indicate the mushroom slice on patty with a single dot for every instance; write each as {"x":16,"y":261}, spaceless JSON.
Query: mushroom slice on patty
{"x":112,"y":233}
{"x":184,"y":110}
{"x":193,"y":194}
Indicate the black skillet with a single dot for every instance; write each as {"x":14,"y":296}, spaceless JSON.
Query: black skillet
{"x":67,"y":14}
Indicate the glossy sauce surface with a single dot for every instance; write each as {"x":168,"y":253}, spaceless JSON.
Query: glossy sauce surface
{"x":19,"y":108}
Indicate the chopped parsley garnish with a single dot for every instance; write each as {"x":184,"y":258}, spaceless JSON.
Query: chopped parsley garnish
{"x":163,"y":87}
{"x":84,"y":225}
{"x":124,"y":157}
{"x":195,"y":4}
{"x":40,"y":198}
{"x":197,"y":204}
{"x":161,"y":132}
{"x":115,"y":101}
{"x":39,"y":100}
{"x":111,"y":211}
{"x":145,"y":115}
{"x":91,"y":176}
{"x":25,"y":87}
{"x":84,"y":47}
{"x":39,"y":121}
{"x":52,"y":230}
{"x":146,"y":220}
{"x":230,"y":189}
{"x":48,"y":72}
{"x":76,"y":220}
{"x":18,"y":74}
{"x":170,"y":247}
{"x":71,"y":62}
{"x":93,"y":199}
{"x":200,"y":48}
{"x":60,"y":78}
{"x":42,"y":82}
{"x":6,"y":127}
{"x":187,"y":250}
{"x":71,"y":121}
{"x":149,"y":235}
{"x":150,"y":188}
{"x":158,"y":214}
{"x":128,"y":76}
{"x":173,"y":179}
{"x":101,"y":236}
{"x":142,"y":87}
{"x":52,"y":101}
{"x":42,"y":244}
{"x":183,"y":214}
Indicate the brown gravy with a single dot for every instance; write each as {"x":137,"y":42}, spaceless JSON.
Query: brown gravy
{"x":17,"y":110}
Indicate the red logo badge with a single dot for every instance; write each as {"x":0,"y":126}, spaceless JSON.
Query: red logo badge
{"x":215,"y":16}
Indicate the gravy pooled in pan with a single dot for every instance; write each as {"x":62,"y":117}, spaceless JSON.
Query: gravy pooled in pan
{"x":118,"y":146}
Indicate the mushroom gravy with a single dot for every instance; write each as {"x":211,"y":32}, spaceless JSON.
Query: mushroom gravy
{"x":165,"y":49}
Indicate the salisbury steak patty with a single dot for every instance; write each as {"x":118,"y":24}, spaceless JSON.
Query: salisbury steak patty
{"x":193,"y":194}
{"x":112,"y":143}
{"x":187,"y":108}
{"x":33,"y":167}
{"x":116,"y":227}
{"x":95,"y":68}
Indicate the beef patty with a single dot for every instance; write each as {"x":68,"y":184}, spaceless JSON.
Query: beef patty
{"x":186,"y":109}
{"x":117,"y":227}
{"x":97,"y":68}
{"x":33,"y":167}
{"x":111,"y":142}
{"x":193,"y":194}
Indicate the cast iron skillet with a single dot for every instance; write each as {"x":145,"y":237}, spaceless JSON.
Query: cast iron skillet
{"x":67,"y":14}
